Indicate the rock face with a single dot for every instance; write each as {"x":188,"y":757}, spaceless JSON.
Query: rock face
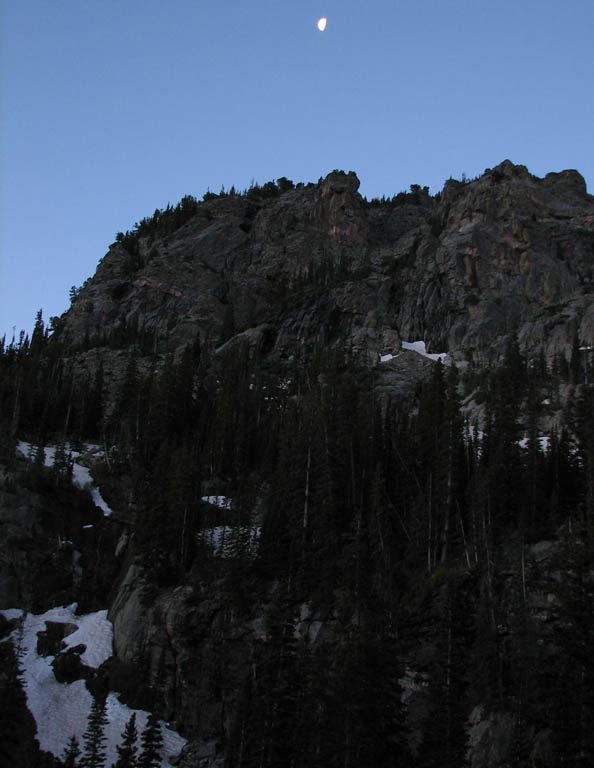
{"x":49,"y":643}
{"x":68,"y":666}
{"x":193,"y":649}
{"x":319,"y":266}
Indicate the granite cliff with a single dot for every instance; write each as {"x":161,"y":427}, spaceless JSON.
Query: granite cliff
{"x":505,"y":253}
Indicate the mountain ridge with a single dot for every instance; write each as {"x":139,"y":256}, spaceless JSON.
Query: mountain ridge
{"x":292,"y":270}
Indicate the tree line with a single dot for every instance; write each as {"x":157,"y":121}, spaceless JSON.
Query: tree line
{"x":134,"y":751}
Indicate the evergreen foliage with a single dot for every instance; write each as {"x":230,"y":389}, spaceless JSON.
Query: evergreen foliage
{"x":360,"y":510}
{"x":127,"y":748}
{"x":168,"y":220}
{"x":93,"y":750}
{"x":70,"y":758}
{"x":151,"y":741}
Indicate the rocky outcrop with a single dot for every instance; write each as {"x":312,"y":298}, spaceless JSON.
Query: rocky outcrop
{"x":319,"y":267}
{"x":515,"y":255}
{"x":68,"y":666}
{"x":191,"y":650}
{"x":49,"y":642}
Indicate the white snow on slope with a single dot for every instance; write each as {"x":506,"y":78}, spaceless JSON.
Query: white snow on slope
{"x":81,"y":475}
{"x":218,"y":501}
{"x":96,"y":632}
{"x":61,"y":710}
{"x":474,"y":433}
{"x":418,"y":347}
{"x":12,"y":613}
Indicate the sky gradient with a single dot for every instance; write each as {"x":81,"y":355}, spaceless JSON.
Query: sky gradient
{"x":111,"y":109}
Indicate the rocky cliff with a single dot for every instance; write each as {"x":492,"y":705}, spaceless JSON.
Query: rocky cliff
{"x":505,"y":253}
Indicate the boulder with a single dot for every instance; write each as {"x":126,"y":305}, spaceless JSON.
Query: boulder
{"x":50,"y":641}
{"x":69,"y":667}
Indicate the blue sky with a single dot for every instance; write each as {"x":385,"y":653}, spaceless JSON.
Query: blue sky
{"x":110,"y":109}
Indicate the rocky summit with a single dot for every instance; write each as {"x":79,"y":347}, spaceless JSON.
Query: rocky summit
{"x":291,"y":269}
{"x":308,"y":480}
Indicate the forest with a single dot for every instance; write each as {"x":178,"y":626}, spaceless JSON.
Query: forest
{"x":395,"y":516}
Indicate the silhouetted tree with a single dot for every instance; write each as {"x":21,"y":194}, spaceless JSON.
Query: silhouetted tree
{"x":127,"y":748}
{"x":151,"y":741}
{"x":93,"y":751}
{"x":71,"y":753}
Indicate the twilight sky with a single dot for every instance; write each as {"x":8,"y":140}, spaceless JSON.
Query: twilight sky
{"x":112,"y":108}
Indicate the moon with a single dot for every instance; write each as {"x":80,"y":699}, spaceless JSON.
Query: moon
{"x":322,"y":23}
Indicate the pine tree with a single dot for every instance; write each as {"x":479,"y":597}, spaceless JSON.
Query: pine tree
{"x":127,"y":749}
{"x":39,"y":336}
{"x":502,"y":459}
{"x":71,"y":753}
{"x":584,"y":431}
{"x":94,"y":736}
{"x":440,"y":458}
{"x":363,"y":725}
{"x":63,"y":465}
{"x":151,"y":741}
{"x":534,"y":500}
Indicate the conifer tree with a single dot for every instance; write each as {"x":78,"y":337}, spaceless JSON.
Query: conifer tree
{"x":532,"y":501}
{"x":63,"y":464}
{"x":39,"y":336}
{"x":151,"y":742}
{"x":440,"y":455}
{"x":94,"y":736}
{"x":503,"y":455}
{"x":584,"y":431}
{"x":127,"y":749}
{"x":71,"y":753}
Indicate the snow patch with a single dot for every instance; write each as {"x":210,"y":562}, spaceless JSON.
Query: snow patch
{"x":81,"y":475}
{"x":61,"y":710}
{"x":474,"y":433}
{"x":218,"y":501}
{"x":12,"y":613}
{"x":420,"y":348}
{"x":94,"y":631}
{"x":544,"y":442}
